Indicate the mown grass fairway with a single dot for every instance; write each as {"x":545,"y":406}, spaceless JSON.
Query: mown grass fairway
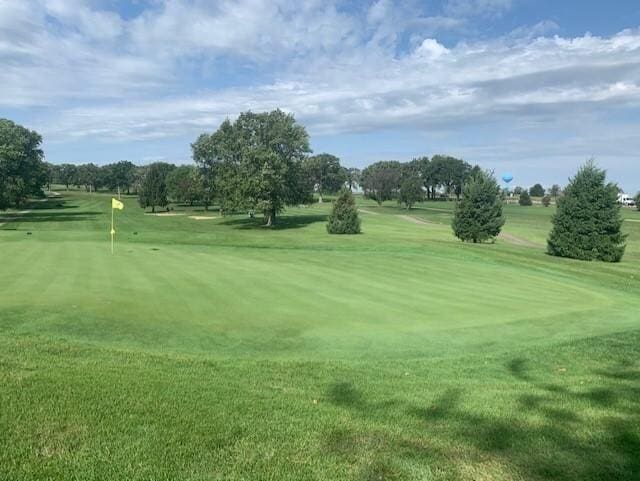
{"x":216,"y":349}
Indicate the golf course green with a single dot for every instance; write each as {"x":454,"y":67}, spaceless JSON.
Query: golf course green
{"x":213,"y":348}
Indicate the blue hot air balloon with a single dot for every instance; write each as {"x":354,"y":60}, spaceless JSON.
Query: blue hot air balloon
{"x":507,"y":178}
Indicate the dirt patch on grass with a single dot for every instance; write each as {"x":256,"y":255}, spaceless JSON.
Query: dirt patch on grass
{"x":414,"y":220}
{"x":365,"y":211}
{"x":518,"y":241}
{"x":201,"y":217}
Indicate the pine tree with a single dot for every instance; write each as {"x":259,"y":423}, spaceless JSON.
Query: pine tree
{"x":525,"y":199}
{"x":587,"y":224}
{"x":478,"y":216}
{"x":344,"y":215}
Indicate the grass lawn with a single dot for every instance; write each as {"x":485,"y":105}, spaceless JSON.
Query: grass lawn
{"x":217,"y":349}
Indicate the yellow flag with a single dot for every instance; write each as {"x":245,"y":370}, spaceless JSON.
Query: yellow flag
{"x":116,"y":204}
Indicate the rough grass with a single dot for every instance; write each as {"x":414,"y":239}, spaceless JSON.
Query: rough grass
{"x":222,"y":350}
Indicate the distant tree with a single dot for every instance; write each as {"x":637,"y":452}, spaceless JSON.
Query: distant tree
{"x":68,"y":175}
{"x":51,"y":172}
{"x":411,"y":184}
{"x":138,"y":175}
{"x":153,"y":190}
{"x":450,"y":173}
{"x":324,"y":173}
{"x":478,"y":215}
{"x":90,"y":176}
{"x":536,"y":191}
{"x":555,"y":190}
{"x":119,"y":176}
{"x":518,"y":190}
{"x":185,"y":184}
{"x":587,"y":224}
{"x":344,"y":215}
{"x":546,"y":200}
{"x":354,"y":177}
{"x":22,"y":169}
{"x":637,"y":199}
{"x":381,"y":180}
{"x":427,"y":175}
{"x":525,"y":198}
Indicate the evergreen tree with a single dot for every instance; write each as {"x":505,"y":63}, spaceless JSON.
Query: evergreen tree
{"x":344,"y":215}
{"x":638,"y":201}
{"x":525,"y":198}
{"x":587,"y":224}
{"x":478,"y":216}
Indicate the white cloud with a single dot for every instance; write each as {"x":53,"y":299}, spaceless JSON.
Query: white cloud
{"x":100,"y":76}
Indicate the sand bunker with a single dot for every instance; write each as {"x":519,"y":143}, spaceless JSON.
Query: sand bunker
{"x":201,"y":217}
{"x":163,"y":214}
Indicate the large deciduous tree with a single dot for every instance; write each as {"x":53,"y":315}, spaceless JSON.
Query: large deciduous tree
{"x":153,"y":190}
{"x":411,"y":184}
{"x":381,"y":180}
{"x":185,"y":184}
{"x":587,"y":224}
{"x":478,"y":215}
{"x":324,"y":173}
{"x":450,"y":173}
{"x":257,"y":162}
{"x":22,"y":170}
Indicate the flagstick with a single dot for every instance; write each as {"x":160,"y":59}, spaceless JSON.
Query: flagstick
{"x":112,"y":232}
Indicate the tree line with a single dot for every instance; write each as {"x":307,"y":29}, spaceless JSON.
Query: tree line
{"x":261,"y":162}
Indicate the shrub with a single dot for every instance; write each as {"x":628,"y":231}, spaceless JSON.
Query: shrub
{"x":525,"y":199}
{"x":344,"y":215}
{"x":587,"y":224}
{"x":546,"y":200}
{"x":478,"y":216}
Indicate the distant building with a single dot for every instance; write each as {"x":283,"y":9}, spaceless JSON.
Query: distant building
{"x":624,"y":199}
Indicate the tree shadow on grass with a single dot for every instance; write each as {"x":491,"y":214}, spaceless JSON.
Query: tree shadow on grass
{"x":552,"y":432}
{"x":283,"y":223}
{"x":49,"y":203}
{"x":49,"y":217}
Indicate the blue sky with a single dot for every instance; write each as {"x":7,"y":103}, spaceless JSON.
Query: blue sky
{"x":533,"y":87}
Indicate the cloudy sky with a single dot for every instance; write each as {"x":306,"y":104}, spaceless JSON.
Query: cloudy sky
{"x":530,"y":86}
